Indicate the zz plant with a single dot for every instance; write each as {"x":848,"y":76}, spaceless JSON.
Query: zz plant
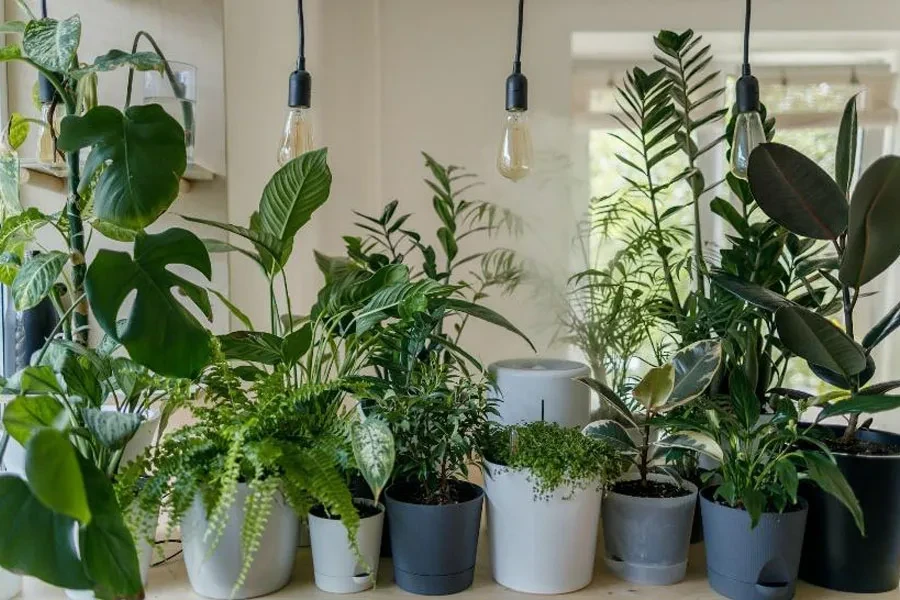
{"x":663,"y":389}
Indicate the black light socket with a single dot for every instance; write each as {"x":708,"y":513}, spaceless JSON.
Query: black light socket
{"x":516,"y":92}
{"x":300,"y":89}
{"x":747,"y":94}
{"x":46,"y":91}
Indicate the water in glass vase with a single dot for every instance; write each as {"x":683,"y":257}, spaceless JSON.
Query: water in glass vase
{"x":183,"y":111}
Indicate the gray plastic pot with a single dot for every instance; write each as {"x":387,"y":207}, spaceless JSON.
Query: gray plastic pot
{"x":647,"y":539}
{"x":434,"y":546}
{"x":337,"y":568}
{"x":752,"y":564}
{"x":213,"y":571}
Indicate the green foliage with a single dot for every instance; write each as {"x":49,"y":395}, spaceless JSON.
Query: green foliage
{"x":36,"y":277}
{"x":554,"y":456}
{"x":52,"y":44}
{"x":374,"y":451}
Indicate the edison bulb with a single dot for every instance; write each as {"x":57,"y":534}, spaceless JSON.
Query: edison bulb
{"x":748,"y":134}
{"x":298,"y":135}
{"x":516,"y":154}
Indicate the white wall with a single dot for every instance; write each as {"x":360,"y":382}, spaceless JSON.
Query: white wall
{"x":186,"y":31}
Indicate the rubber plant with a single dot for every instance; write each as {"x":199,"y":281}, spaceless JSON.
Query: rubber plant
{"x":662,"y":389}
{"x":860,"y":224}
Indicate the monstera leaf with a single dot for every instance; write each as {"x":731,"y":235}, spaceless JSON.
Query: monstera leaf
{"x":159,"y":332}
{"x":52,"y":44}
{"x":293,"y":194}
{"x":144,"y":157}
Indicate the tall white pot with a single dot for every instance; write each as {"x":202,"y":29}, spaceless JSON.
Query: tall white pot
{"x":337,"y":568}
{"x":540,"y":545}
{"x":10,"y":585}
{"x":214,"y":571}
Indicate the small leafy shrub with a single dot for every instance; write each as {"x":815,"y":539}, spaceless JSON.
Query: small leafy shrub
{"x":554,"y":456}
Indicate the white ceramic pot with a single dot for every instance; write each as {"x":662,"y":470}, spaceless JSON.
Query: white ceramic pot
{"x":337,"y":568}
{"x":534,"y":389}
{"x":540,"y":545}
{"x":214,"y":571}
{"x":10,"y":585}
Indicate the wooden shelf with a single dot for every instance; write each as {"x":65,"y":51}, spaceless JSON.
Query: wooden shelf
{"x":54,"y":179}
{"x":169,"y":582}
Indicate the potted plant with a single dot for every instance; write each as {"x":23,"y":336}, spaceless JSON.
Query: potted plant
{"x":341,"y":564}
{"x":73,"y":443}
{"x":858,"y":222}
{"x":753,"y":514}
{"x":648,"y":516}
{"x":544,"y":486}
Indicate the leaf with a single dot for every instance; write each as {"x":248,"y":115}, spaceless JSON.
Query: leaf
{"x":448,"y":243}
{"x":296,"y":344}
{"x":18,"y":130}
{"x":82,"y":382}
{"x":788,"y":478}
{"x":26,"y":414}
{"x":12,"y":27}
{"x":19,"y":229}
{"x":796,"y":193}
{"x":52,"y":44}
{"x":293,"y":195}
{"x":749,"y":292}
{"x":241,"y":316}
{"x":214,"y":246}
{"x":743,"y":399}
{"x":613,"y":433}
{"x":9,"y":183}
{"x":252,"y":346}
{"x":24,"y":519}
{"x":883,"y":328}
{"x":10,"y":52}
{"x":139,"y":157}
{"x":754,"y":503}
{"x":825,"y":473}
{"x":114,"y":59}
{"x":115,"y":232}
{"x":112,"y":428}
{"x":816,"y":339}
{"x":373,"y":448}
{"x":9,"y":267}
{"x":845,"y":155}
{"x":655,"y":388}
{"x":727,"y":211}
{"x":485,"y":314}
{"x":36,"y":277}
{"x":880,"y":388}
{"x":872,"y":241}
{"x":159,"y":332}
{"x":108,"y":550}
{"x":610,"y":397}
{"x":695,"y":367}
{"x":693,"y":440}
{"x":868,"y":403}
{"x":51,"y":468}
{"x":37,"y":380}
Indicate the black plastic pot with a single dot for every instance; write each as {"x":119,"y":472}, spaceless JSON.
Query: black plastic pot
{"x":434,"y":546}
{"x":835,"y":554}
{"x":751,"y":564}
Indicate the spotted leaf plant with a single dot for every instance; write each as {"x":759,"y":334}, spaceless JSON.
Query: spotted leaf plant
{"x":663,"y":389}
{"x":374,"y":451}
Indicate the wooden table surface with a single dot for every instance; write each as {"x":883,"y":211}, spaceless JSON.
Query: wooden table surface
{"x":169,"y":582}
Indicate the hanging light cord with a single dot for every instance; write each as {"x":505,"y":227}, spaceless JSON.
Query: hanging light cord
{"x":517,"y":63}
{"x":301,"y":56}
{"x":44,"y":9}
{"x":745,"y":69}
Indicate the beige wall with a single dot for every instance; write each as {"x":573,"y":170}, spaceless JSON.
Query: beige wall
{"x":186,"y":31}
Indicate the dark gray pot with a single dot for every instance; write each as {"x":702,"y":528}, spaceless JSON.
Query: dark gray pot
{"x":647,"y":539}
{"x":434,"y":547}
{"x":752,"y":564}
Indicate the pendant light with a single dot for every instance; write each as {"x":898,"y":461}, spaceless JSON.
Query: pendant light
{"x":516,"y":155}
{"x":298,"y":132}
{"x":748,"y":128}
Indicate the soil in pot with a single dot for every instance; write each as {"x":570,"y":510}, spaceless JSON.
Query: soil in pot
{"x":752,"y":564}
{"x":647,"y":529}
{"x":540,"y":544}
{"x":338,"y":569}
{"x":434,"y":546}
{"x":835,"y":554}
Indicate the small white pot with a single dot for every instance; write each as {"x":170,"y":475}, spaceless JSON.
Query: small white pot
{"x":540,"y":545}
{"x":214,"y":571}
{"x":336,"y":567}
{"x":10,"y":585}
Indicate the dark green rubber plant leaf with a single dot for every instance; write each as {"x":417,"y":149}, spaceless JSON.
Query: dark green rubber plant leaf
{"x":818,"y":340}
{"x":863,"y":403}
{"x":607,"y":395}
{"x":796,"y":193}
{"x":51,"y":467}
{"x":36,"y":540}
{"x":873,"y":243}
{"x":159,"y":331}
{"x":108,"y":550}
{"x":143,"y":157}
{"x":293,"y":195}
{"x":52,"y":44}
{"x":883,"y":328}
{"x":845,"y":155}
{"x":749,"y":292}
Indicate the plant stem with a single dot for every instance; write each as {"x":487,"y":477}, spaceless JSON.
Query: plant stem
{"x":76,"y":240}
{"x":63,"y":319}
{"x":645,"y":453}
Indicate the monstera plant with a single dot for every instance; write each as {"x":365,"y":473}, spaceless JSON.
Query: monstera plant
{"x":122,"y":170}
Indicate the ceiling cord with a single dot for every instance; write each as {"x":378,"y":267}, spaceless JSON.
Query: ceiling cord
{"x":301,"y":55}
{"x":745,"y":69}
{"x":517,"y":63}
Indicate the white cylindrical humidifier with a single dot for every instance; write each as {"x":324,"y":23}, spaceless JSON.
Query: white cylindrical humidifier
{"x":535,"y":389}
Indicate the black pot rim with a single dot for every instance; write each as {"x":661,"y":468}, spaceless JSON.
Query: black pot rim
{"x":478,"y":497}
{"x":357,"y":501}
{"x":706,"y":496}
{"x":861,"y":456}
